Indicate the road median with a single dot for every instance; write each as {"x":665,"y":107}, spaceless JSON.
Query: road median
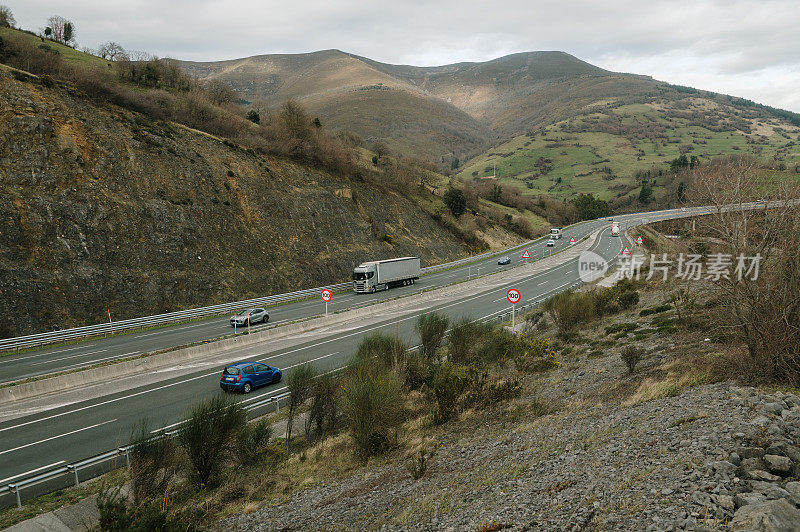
{"x":189,"y":355}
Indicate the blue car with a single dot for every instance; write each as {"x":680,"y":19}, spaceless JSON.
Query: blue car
{"x":244,"y":376}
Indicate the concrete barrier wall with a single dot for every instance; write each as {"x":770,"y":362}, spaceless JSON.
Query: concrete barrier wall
{"x":153,"y":362}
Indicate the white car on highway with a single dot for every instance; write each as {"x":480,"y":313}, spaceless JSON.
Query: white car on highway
{"x":551,"y":243}
{"x":251,"y":316}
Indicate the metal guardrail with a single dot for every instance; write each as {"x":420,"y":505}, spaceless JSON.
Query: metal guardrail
{"x":113,"y":327}
{"x":26,"y":480}
{"x":213,"y":310}
{"x":33,"y":478}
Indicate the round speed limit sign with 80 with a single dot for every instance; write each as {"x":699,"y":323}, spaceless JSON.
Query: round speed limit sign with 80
{"x":326,"y":295}
{"x":513,"y":296}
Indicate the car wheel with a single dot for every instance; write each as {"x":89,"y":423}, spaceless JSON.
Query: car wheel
{"x":246,"y":388}
{"x":276,"y":378}
{"x":266,"y":318}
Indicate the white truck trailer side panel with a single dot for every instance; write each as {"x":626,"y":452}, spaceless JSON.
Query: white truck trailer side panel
{"x":397,"y":269}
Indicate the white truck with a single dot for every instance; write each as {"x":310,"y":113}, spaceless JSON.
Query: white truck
{"x":555,"y":233}
{"x":384,"y":274}
{"x":614,"y":228}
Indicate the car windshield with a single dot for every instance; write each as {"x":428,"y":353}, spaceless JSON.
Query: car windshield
{"x":231,"y":371}
{"x":244,"y":313}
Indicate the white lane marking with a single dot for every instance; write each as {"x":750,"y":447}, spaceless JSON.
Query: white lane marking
{"x":257,"y":396}
{"x":59,"y":436}
{"x":69,"y":357}
{"x":15,"y":359}
{"x":5,"y":480}
{"x":411,"y":317}
{"x":96,"y":360}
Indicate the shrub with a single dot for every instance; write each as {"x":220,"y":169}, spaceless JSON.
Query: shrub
{"x":431,"y":328}
{"x":465,"y":338}
{"x":621,"y":327}
{"x":416,"y":371}
{"x":655,"y":310}
{"x":324,"y":405}
{"x":254,"y":440}
{"x":631,"y":355}
{"x":153,"y":463}
{"x":299,"y":384}
{"x":117,"y":516}
{"x":570,"y":309}
{"x":537,"y":355}
{"x":372,"y":407}
{"x":499,"y":345}
{"x":456,"y":201}
{"x":628,"y":299}
{"x":389,"y":350}
{"x":448,"y":382}
{"x":483,"y":394}
{"x":209,"y":435}
{"x":418,"y":465}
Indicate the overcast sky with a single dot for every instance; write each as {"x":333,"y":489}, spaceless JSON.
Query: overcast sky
{"x":748,"y":48}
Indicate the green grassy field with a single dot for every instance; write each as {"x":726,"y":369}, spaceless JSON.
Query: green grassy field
{"x":600,"y":152}
{"x":69,"y":54}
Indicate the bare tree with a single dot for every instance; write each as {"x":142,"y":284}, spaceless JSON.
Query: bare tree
{"x":61,"y":30}
{"x":6,"y":17}
{"x":220,"y":92}
{"x":111,"y":51}
{"x":762,"y":309}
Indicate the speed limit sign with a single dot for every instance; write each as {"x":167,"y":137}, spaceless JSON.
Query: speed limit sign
{"x":326,"y":295}
{"x":513,"y":296}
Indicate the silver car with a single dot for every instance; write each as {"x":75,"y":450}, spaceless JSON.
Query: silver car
{"x":253,"y":315}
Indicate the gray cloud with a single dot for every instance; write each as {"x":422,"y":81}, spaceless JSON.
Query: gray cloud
{"x":744,"y":47}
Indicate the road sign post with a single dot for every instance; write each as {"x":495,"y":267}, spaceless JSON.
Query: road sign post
{"x":513,"y":296}
{"x":326,"y":296}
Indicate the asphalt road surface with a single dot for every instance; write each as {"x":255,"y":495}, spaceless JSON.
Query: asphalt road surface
{"x":64,"y":434}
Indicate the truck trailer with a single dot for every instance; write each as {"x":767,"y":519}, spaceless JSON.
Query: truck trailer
{"x":384,"y":274}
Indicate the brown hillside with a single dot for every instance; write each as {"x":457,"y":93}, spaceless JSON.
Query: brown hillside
{"x":102,"y":208}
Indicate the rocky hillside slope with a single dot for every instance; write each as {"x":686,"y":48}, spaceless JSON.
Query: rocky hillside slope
{"x":588,"y":446}
{"x":102,"y":209}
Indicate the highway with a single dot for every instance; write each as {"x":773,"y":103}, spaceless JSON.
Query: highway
{"x":15,"y":367}
{"x":70,"y":432}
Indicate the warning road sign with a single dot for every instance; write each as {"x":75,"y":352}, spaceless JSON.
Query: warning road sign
{"x":513,"y":296}
{"x":526,"y":255}
{"x":326,"y":295}
{"x":639,"y":240}
{"x":572,"y":240}
{"x":625,"y":251}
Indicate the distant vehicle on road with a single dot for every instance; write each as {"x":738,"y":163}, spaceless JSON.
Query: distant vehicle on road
{"x":502,"y":261}
{"x":614,"y":228}
{"x":245,"y":376}
{"x":384,"y":274}
{"x":555,"y":233}
{"x":255,"y":315}
{"x":551,"y":243}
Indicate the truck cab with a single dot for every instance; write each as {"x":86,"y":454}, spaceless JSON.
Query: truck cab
{"x":364,"y":278}
{"x":555,"y":233}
